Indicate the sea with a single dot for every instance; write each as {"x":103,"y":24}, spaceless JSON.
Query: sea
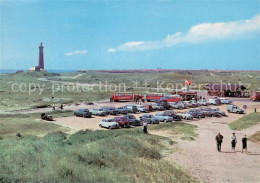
{"x":8,"y":71}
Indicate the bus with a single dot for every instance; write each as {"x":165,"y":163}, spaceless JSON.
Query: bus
{"x":153,"y":96}
{"x":125,"y":96}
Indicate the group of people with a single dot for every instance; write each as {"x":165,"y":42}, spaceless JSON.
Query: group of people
{"x":233,"y":139}
{"x":54,"y":107}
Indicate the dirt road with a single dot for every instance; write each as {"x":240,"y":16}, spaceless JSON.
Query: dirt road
{"x":201,"y":159}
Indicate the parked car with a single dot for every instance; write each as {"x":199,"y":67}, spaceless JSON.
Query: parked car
{"x":196,"y":113}
{"x":111,"y":110}
{"x":202,"y":102}
{"x":225,"y":101}
{"x":108,"y":123}
{"x":162,"y":117}
{"x":177,"y":105}
{"x":213,"y":101}
{"x":131,"y":108}
{"x":234,"y":109}
{"x":194,"y":102}
{"x":172,"y":114}
{"x":157,"y":107}
{"x":141,"y":108}
{"x":190,"y":104}
{"x":122,"y":121}
{"x":185,"y":115}
{"x":165,"y":104}
{"x":133,"y":121}
{"x":83,"y":113}
{"x":98,"y":112}
{"x":209,"y":112}
{"x":45,"y":116}
{"x":122,"y":110}
{"x":151,"y":119}
{"x":148,"y":106}
{"x":222,"y":113}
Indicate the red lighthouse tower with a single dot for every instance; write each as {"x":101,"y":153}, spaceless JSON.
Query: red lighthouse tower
{"x":41,"y":58}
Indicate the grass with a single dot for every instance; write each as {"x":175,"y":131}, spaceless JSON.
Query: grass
{"x":10,"y":101}
{"x":255,"y":137}
{"x":186,"y":131}
{"x":29,"y":124}
{"x":246,"y":121}
{"x":124,"y":155}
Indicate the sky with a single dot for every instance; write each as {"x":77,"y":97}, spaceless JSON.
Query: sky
{"x":131,"y":34}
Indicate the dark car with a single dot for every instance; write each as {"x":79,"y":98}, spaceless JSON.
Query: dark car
{"x":131,"y":108}
{"x":151,"y":119}
{"x":122,"y":110}
{"x":172,"y":114}
{"x":196,"y":113}
{"x":209,"y":112}
{"x":83,"y":113}
{"x":133,"y":121}
{"x":164,"y":103}
{"x":157,"y":107}
{"x":122,"y":121}
{"x":111,"y":110}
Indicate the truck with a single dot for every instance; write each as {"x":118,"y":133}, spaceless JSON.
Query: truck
{"x":234,"y":109}
{"x":255,"y":96}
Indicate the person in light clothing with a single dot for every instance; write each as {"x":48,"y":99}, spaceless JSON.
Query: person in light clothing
{"x":145,"y":124}
{"x":233,"y":139}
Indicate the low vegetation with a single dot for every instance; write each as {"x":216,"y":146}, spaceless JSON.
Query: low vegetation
{"x":246,"y":121}
{"x":29,"y":124}
{"x":124,"y":155}
{"x":184,"y":130}
{"x":255,"y":137}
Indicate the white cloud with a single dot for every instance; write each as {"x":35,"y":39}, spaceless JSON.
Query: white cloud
{"x":77,"y":52}
{"x":199,"y":33}
{"x":111,"y":50}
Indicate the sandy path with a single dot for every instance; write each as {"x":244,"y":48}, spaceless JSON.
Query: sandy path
{"x":201,"y":159}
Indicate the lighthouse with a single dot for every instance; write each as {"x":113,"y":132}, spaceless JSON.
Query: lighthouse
{"x":41,"y":58}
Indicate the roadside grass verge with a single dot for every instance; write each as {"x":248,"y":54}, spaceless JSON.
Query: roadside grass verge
{"x":30,"y":124}
{"x":184,"y":130}
{"x":255,"y":137}
{"x":124,"y":155}
{"x":245,"y":122}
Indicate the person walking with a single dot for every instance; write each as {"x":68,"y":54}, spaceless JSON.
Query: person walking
{"x":53,"y":107}
{"x":233,"y":139}
{"x":61,"y":106}
{"x":244,"y":144}
{"x":219,"y":139}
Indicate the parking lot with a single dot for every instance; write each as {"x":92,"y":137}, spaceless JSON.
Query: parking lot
{"x":79,"y":123}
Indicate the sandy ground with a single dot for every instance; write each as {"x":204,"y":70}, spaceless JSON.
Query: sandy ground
{"x":200,"y":157}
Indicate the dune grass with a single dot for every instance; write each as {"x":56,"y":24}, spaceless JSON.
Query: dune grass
{"x":255,"y":137}
{"x":186,"y":131}
{"x":245,"y":122}
{"x":30,"y":124}
{"x":89,"y":156}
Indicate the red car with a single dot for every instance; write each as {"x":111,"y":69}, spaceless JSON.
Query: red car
{"x":122,"y":121}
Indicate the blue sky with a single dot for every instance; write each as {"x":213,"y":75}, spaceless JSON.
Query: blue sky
{"x":131,"y":34}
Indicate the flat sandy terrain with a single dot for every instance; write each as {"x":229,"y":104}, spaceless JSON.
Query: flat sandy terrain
{"x":200,"y":157}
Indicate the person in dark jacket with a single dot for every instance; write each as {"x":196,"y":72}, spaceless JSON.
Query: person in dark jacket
{"x":244,"y":144}
{"x":219,"y":139}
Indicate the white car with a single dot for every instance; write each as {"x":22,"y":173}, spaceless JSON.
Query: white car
{"x":185,"y":115}
{"x":108,"y":123}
